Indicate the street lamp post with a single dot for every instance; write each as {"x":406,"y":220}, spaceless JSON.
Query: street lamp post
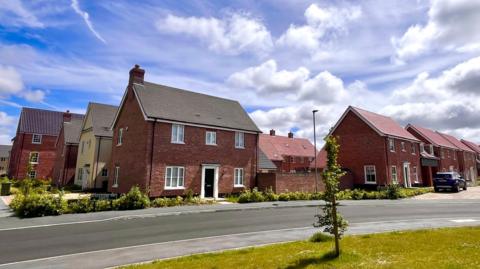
{"x":315,"y":150}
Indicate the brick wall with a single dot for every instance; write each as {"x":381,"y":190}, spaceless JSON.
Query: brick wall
{"x":22,"y":147}
{"x":289,"y":182}
{"x":134,"y":155}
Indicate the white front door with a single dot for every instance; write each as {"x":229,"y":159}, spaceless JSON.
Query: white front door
{"x":209,"y":177}
{"x":406,"y":175}
{"x":85,"y":176}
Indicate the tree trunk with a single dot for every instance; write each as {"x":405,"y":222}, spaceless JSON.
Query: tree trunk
{"x":335,"y":226}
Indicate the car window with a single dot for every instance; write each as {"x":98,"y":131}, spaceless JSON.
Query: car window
{"x":445,"y":176}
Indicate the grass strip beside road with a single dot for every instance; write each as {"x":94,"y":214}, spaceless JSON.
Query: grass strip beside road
{"x":437,"y":248}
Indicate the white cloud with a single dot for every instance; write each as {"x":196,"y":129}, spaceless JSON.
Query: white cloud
{"x":7,"y":127}
{"x":296,"y":85}
{"x":13,"y":12}
{"x":86,"y":18}
{"x":35,"y":96}
{"x":235,"y":34}
{"x":10,"y":81}
{"x":321,"y":22}
{"x":452,"y":25}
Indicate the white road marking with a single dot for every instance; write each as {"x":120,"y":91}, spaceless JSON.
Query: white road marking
{"x":463,"y":220}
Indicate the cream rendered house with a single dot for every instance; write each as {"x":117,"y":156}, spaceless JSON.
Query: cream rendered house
{"x":94,"y":147}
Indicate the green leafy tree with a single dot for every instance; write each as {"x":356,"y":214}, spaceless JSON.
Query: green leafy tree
{"x":330,"y":220}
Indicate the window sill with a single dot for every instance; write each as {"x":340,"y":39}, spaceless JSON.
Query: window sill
{"x":33,"y":162}
{"x":175,"y":188}
{"x":181,"y":143}
{"x":115,"y":186}
{"x":370,"y":183}
{"x":239,"y":186}
{"x":240,"y":147}
{"x":118,"y":145}
{"x":37,"y":143}
{"x":211,"y":144}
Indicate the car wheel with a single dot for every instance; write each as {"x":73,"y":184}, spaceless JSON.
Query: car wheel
{"x":465,"y":187}
{"x":436,"y":189}
{"x":456,"y":189}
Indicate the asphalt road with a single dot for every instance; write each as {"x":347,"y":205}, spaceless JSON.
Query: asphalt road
{"x":49,"y":241}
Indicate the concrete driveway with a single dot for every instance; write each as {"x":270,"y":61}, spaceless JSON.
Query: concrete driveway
{"x":470,"y":193}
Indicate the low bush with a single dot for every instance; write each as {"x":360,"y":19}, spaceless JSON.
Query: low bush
{"x":252,"y":196}
{"x":37,"y":205}
{"x":133,"y":199}
{"x":83,"y":205}
{"x":393,"y":191}
{"x":320,"y":237}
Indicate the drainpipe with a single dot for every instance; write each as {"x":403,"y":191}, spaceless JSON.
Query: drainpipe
{"x":386,"y":160}
{"x":151,"y":154}
{"x":67,"y":151}
{"x":20,"y":156}
{"x":96,"y":163}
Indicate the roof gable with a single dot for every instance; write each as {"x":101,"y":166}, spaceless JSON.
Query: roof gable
{"x":456,"y":142}
{"x":275,"y":147}
{"x":71,"y":131}
{"x":102,"y":116}
{"x":172,"y":104}
{"x":432,"y":136}
{"x":40,"y":121}
{"x":471,"y":145}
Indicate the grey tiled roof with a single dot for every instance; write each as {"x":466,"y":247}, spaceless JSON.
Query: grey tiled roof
{"x":264,"y":162}
{"x":4,"y":149}
{"x":71,"y":131}
{"x":40,"y":121}
{"x":167,"y":103}
{"x":102,"y":117}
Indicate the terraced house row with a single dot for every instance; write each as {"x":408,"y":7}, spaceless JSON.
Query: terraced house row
{"x":169,"y":141}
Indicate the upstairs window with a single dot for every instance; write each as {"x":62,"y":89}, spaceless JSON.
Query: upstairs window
{"x":391,"y":144}
{"x":403,"y":146}
{"x":442,"y":154}
{"x":431,"y":149}
{"x":37,"y":139}
{"x":454,"y":155}
{"x":448,"y":153}
{"x":120,"y":137}
{"x":413,"y":149}
{"x":34,"y":157}
{"x":239,"y":140}
{"x":80,"y":174}
{"x":211,"y":138}
{"x":238,"y":177}
{"x":370,"y":174}
{"x":178,"y":133}
{"x":422,"y":147}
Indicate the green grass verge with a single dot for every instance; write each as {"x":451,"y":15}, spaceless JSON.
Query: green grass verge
{"x":439,"y":248}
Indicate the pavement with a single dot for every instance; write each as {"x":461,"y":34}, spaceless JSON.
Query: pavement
{"x":4,"y":209}
{"x":96,"y":241}
{"x":470,"y":193}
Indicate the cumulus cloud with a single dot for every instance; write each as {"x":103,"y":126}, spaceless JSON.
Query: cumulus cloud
{"x":234,"y":34}
{"x":452,"y":25}
{"x":7,"y":127}
{"x":14,"y":13}
{"x":86,"y":17}
{"x":35,"y":96}
{"x":448,"y":102}
{"x":320,"y":22}
{"x":297,"y":84}
{"x":11,"y":83}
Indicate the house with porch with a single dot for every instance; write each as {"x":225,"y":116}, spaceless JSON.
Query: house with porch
{"x":376,"y":151}
{"x":33,"y":152}
{"x":66,"y":155}
{"x":467,"y":161}
{"x":95,"y":145}
{"x":437,"y":154}
{"x":169,"y":141}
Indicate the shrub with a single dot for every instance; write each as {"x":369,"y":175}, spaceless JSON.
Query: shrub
{"x":83,"y":205}
{"x":284,"y":197}
{"x":134,"y":199}
{"x":344,"y":195}
{"x":320,"y":237}
{"x":316,"y":196}
{"x":270,"y":195}
{"x":160,"y":202}
{"x":37,"y":205}
{"x":102,"y":205}
{"x":189,"y":196}
{"x":393,"y":191}
{"x":175,"y":201}
{"x":253,"y":196}
{"x":357,"y":194}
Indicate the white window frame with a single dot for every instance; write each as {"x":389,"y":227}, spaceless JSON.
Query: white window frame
{"x":37,"y":141}
{"x":414,"y":149}
{"x":116,"y":174}
{"x":402,"y":144}
{"x":239,"y":176}
{"x":104,"y":174}
{"x":365,"y":167}
{"x":391,"y":144}
{"x":442,"y":153}
{"x":208,"y":138}
{"x":180,"y":178}
{"x":431,"y":150}
{"x":393,"y":171}
{"x":415,"y":173}
{"x":37,"y":159}
{"x":239,"y":140}
{"x":34,"y":172}
{"x":120,"y":137}
{"x":454,"y":155}
{"x":178,"y":137}
{"x":448,"y":153}
{"x":422,"y":147}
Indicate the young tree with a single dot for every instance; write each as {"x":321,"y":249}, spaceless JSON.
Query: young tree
{"x":332,"y":222}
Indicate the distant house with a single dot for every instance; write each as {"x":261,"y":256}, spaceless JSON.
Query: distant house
{"x":475,"y":148}
{"x":467,"y":160}
{"x":4,"y":159}
{"x":375,"y":150}
{"x":66,"y":153}
{"x":33,"y":147}
{"x":169,"y":141}
{"x":436,"y":152}
{"x":95,"y":146}
{"x":287,"y":153}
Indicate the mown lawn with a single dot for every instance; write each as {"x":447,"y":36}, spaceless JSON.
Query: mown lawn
{"x":441,"y":248}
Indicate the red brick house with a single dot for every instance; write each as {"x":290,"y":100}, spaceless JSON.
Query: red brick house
{"x":66,"y":153}
{"x":375,"y":150}
{"x":437,"y":154}
{"x":34,"y":142}
{"x":475,"y":148}
{"x":467,"y":160}
{"x":289,"y":154}
{"x":168,"y":141}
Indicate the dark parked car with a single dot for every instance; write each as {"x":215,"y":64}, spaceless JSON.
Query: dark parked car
{"x":449,"y":180}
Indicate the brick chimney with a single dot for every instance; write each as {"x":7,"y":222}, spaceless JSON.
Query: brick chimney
{"x":67,"y":116}
{"x":136,"y":75}
{"x":290,"y":134}
{"x":272,"y":132}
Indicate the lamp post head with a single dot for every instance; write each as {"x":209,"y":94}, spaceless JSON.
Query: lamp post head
{"x":314,"y":111}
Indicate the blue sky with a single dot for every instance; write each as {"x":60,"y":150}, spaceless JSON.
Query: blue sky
{"x":416,"y":61}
